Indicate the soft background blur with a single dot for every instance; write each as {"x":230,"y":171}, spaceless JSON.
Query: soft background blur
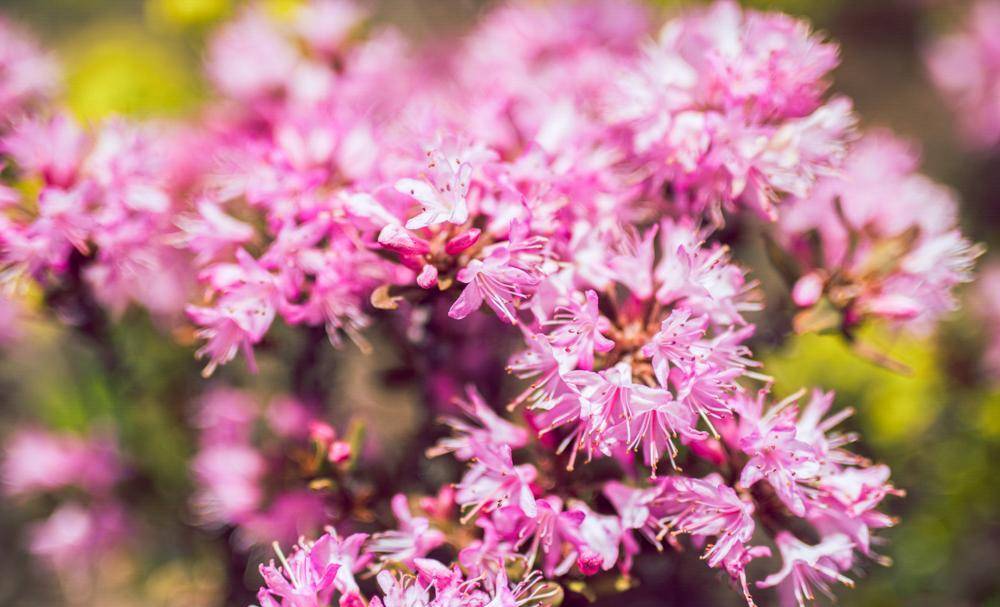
{"x":939,"y":428}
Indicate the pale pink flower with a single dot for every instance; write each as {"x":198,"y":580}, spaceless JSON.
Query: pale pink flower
{"x":27,"y":74}
{"x":965,"y":65}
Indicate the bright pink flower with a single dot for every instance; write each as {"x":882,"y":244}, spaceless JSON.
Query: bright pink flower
{"x":299,"y":580}
{"x":488,"y":431}
{"x":776,"y":452}
{"x":249,"y":58}
{"x":242,"y":314}
{"x":806,"y":567}
{"x":677,"y":343}
{"x":493,"y":481}
{"x":706,"y":507}
{"x":414,"y":538}
{"x":579,"y":331}
{"x":497,"y":282}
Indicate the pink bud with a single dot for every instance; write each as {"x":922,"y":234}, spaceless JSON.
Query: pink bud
{"x":428,"y":276}
{"x":322,"y":432}
{"x":462,"y":242}
{"x":708,"y":449}
{"x":395,"y":237}
{"x":807,"y":290}
{"x":339,"y":452}
{"x":589,"y":561}
{"x":893,"y":306}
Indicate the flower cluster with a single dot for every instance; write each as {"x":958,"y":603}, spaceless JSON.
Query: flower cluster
{"x":557,"y":177}
{"x":98,"y":207}
{"x":81,"y":475}
{"x":879,"y":240}
{"x":315,"y":572}
{"x":727,"y":110}
{"x":965,"y":66}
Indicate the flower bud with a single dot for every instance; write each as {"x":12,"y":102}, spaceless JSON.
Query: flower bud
{"x":340,"y":451}
{"x":395,"y":237}
{"x":322,"y":433}
{"x":462,"y":242}
{"x":428,"y":276}
{"x":589,"y":561}
{"x":807,"y":290}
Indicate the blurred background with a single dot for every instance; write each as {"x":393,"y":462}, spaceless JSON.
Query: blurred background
{"x":938,"y":427}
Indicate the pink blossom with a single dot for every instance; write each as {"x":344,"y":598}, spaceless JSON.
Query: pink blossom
{"x":299,"y":580}
{"x":242,"y":314}
{"x":488,"y":432}
{"x":39,"y":461}
{"x":965,"y":66}
{"x":74,"y":534}
{"x":493,"y":481}
{"x":442,"y":199}
{"x":579,"y":331}
{"x":27,"y":75}
{"x":706,"y":507}
{"x":414,"y":538}
{"x":496,"y":281}
{"x":806,"y":567}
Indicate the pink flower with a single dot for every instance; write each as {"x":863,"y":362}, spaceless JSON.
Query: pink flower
{"x":496,"y":281}
{"x":230,"y":479}
{"x":75,"y":534}
{"x":657,"y":419}
{"x":211,"y":232}
{"x":349,"y":554}
{"x":52,"y":149}
{"x":39,"y":461}
{"x":488,"y":432}
{"x":494,"y":481}
{"x":414,"y":538}
{"x":249,"y":58}
{"x":580,"y":331}
{"x":676,"y":343}
{"x":543,"y":536}
{"x":776,"y":452}
{"x":242,"y":314}
{"x":443,"y":198}
{"x":888,"y":238}
{"x":706,"y":507}
{"x":27,"y":75}
{"x":327,"y":24}
{"x":806,"y":567}
{"x":299,"y":580}
{"x":633,"y":505}
{"x":965,"y":65}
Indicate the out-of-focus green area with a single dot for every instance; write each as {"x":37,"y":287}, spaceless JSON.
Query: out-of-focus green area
{"x":938,"y":427}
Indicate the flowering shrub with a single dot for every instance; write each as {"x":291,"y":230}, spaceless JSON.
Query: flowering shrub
{"x":564,"y":177}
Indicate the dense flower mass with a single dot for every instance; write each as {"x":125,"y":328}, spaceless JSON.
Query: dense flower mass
{"x":965,"y":65}
{"x":558,"y":177}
